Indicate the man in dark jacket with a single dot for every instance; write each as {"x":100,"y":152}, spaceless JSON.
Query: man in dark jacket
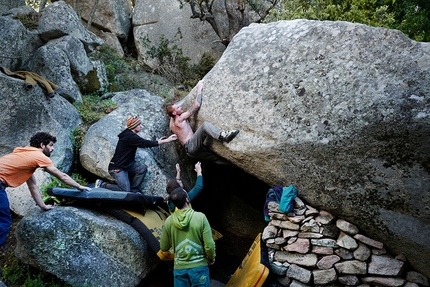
{"x":127,"y":173}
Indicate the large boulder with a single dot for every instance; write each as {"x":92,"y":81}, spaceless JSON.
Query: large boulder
{"x":152,"y":19}
{"x":107,"y":15}
{"x":84,"y":247}
{"x":57,"y":50}
{"x":26,"y":112}
{"x":101,"y":138}
{"x":60,"y":59}
{"x":59,"y":19}
{"x":18,"y":43}
{"x":339,"y":110}
{"x":6,"y":5}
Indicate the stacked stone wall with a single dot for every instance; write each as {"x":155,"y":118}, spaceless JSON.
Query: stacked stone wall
{"x":310,"y":247}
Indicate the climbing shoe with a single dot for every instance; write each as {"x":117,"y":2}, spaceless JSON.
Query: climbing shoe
{"x":230,"y":135}
{"x":99,"y":183}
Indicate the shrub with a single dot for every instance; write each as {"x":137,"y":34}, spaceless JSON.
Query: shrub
{"x":412,"y":17}
{"x":171,"y":64}
{"x":91,"y":110}
{"x":29,"y":21}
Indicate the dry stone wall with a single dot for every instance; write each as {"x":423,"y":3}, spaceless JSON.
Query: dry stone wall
{"x":310,"y":247}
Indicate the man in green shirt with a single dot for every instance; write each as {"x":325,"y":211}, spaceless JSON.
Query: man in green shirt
{"x":189,"y":234}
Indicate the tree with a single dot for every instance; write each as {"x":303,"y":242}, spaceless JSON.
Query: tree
{"x":235,"y":14}
{"x":93,"y":12}
{"x":412,"y":17}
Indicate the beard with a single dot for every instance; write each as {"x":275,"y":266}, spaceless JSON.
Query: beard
{"x":47,"y":152}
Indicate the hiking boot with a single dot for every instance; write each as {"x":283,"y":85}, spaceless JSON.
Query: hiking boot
{"x":230,"y":135}
{"x":99,"y":183}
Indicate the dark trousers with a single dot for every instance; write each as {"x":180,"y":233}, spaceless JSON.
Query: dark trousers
{"x":128,"y":180}
{"x":5,"y":218}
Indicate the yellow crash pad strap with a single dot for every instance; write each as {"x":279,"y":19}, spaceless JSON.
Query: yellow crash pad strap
{"x":165,"y":256}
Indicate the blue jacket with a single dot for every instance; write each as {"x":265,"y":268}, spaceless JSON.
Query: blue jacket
{"x":282,"y":195}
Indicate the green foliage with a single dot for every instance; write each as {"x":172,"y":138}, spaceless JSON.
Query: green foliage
{"x":110,"y":73}
{"x":108,"y":55}
{"x":91,"y":110}
{"x":368,"y":12}
{"x":29,"y":21}
{"x":173,"y":65}
{"x":57,"y":183}
{"x":16,"y":274}
{"x":115,"y":68}
{"x":162,"y":52}
{"x":197,"y":72}
{"x":412,"y":17}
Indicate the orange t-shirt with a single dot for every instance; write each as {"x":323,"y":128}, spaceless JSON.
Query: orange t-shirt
{"x":18,"y":166}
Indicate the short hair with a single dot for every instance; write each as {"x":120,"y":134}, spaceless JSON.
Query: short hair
{"x":170,"y":110}
{"x":42,"y":137}
{"x":171,"y":185}
{"x":178,"y":197}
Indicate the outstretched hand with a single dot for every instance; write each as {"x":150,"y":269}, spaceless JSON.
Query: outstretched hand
{"x":172,"y":137}
{"x":82,"y":188}
{"x":198,"y":168}
{"x":47,"y":207}
{"x":178,"y":168}
{"x":200,"y":86}
{"x":199,"y":93}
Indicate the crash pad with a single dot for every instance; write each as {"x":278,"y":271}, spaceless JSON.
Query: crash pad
{"x":254,"y":268}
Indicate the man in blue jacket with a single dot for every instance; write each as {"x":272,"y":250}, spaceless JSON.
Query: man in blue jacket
{"x":177,"y":182}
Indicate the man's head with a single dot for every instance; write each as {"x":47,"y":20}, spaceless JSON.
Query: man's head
{"x":179,"y":197}
{"x":172,"y":184}
{"x":174,"y":110}
{"x":134,"y":123}
{"x":43,"y":141}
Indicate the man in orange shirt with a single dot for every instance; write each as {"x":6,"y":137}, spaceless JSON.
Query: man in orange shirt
{"x":18,"y":167}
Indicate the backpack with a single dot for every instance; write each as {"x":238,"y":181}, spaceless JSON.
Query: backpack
{"x":282,"y":195}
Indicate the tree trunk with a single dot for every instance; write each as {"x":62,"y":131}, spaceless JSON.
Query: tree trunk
{"x":93,"y":12}
{"x":238,"y":16}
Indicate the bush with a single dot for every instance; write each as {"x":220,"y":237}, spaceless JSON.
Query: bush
{"x":115,"y":68}
{"x":29,"y":21}
{"x":368,"y":12}
{"x":171,"y":64}
{"x":91,"y":110}
{"x":412,"y":17}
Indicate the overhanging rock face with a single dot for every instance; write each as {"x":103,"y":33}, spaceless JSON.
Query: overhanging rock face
{"x":339,"y":110}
